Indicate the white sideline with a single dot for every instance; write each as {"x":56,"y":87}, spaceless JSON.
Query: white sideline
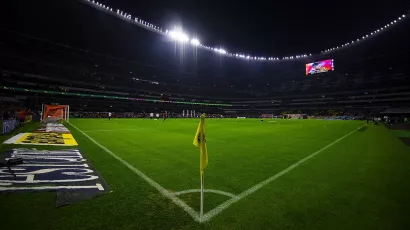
{"x":205,"y":190}
{"x":154,"y":184}
{"x":110,"y":130}
{"x":253,"y":189}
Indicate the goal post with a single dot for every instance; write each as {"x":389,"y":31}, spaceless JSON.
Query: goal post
{"x":55,"y":113}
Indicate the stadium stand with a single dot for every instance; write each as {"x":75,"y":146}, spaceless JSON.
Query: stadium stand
{"x":159,"y":77}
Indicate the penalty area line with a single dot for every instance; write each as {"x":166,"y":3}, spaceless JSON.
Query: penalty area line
{"x":256,"y":187}
{"x":154,"y":184}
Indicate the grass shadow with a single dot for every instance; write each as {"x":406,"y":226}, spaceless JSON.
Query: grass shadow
{"x":363,"y":128}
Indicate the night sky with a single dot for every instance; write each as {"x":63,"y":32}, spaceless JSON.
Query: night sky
{"x":269,"y":27}
{"x":263,"y":28}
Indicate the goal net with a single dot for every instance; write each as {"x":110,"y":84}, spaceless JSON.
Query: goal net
{"x":55,"y":113}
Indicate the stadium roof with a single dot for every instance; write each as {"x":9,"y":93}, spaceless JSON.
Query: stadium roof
{"x":264,"y":29}
{"x":177,"y":32}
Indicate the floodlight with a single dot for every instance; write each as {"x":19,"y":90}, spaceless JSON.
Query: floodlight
{"x":222,"y":51}
{"x":178,"y":36}
{"x":195,"y":42}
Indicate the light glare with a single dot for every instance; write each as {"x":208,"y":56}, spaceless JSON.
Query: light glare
{"x":195,"y":42}
{"x":178,"y":36}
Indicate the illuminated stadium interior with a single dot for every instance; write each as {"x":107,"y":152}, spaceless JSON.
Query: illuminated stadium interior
{"x":272,"y":104}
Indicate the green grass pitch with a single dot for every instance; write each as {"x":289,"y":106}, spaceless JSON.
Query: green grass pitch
{"x":356,"y":179}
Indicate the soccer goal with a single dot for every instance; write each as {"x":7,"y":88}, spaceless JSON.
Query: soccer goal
{"x":55,"y":113}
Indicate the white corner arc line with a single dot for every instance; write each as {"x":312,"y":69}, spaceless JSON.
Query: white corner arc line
{"x":154,"y":184}
{"x":205,"y":190}
{"x":256,"y":187}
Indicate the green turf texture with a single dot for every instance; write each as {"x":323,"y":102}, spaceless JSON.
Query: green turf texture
{"x":361,"y":182}
{"x":401,"y":133}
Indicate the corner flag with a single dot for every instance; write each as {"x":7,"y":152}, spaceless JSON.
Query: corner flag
{"x":200,"y":142}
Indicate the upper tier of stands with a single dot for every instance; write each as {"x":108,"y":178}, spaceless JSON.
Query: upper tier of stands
{"x":153,"y":67}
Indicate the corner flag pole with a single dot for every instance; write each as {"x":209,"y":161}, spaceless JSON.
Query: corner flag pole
{"x":200,"y":142}
{"x":202,"y":197}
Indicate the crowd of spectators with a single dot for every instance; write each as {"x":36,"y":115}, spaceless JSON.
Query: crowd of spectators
{"x":80,"y":114}
{"x":8,"y":110}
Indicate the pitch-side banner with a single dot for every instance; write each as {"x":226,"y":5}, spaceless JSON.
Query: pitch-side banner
{"x":8,"y":126}
{"x":67,"y":172}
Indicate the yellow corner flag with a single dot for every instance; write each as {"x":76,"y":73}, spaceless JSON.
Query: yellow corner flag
{"x":200,"y":142}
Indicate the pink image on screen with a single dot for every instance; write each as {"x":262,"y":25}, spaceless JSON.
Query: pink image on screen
{"x":319,"y":67}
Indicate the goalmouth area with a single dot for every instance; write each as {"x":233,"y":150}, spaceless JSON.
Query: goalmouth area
{"x":288,"y":174}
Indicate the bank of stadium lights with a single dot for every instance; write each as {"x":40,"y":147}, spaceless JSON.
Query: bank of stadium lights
{"x":195,"y":42}
{"x":184,"y":38}
{"x":371,"y":34}
{"x":178,"y":36}
{"x":221,"y":51}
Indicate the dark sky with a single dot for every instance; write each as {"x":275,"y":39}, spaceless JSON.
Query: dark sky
{"x":269,"y":27}
{"x":262,"y":28}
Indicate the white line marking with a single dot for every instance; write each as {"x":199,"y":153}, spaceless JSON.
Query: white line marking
{"x":253,"y":189}
{"x":112,"y":130}
{"x":154,"y":184}
{"x":205,"y":190}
